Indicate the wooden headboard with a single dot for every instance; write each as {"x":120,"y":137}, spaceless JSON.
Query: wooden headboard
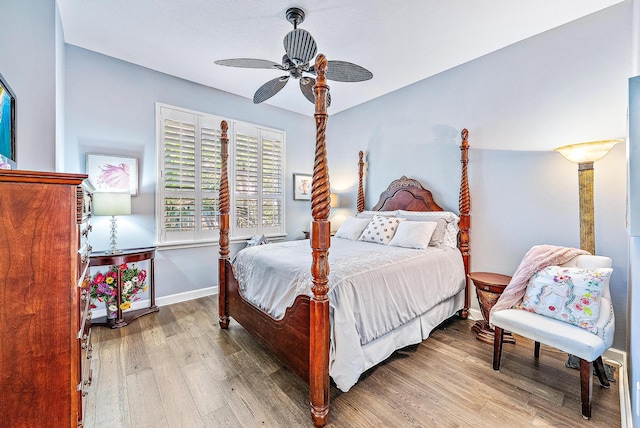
{"x":406,"y":194}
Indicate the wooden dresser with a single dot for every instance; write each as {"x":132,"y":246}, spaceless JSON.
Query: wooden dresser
{"x":45,"y":319}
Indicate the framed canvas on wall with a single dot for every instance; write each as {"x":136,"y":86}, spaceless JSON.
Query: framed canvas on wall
{"x":7,"y":126}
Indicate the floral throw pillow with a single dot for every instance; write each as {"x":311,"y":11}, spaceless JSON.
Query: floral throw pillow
{"x":567,"y":294}
{"x":380,"y":229}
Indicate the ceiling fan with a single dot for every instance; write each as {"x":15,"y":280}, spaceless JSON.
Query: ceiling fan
{"x":300,"y":49}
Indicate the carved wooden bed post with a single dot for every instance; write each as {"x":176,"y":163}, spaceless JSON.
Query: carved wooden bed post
{"x":360,"y":204}
{"x":224,"y":228}
{"x":465,"y":216}
{"x":320,"y":243}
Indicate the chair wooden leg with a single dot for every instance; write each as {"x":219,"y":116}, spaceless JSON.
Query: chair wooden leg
{"x":586,"y":387}
{"x":598,"y":365}
{"x":498,"y":335}
{"x":536,"y":350}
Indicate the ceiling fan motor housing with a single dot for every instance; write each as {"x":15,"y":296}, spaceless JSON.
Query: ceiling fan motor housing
{"x":295,"y":16}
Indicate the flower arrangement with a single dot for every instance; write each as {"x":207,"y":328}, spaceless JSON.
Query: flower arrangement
{"x":104,"y":287}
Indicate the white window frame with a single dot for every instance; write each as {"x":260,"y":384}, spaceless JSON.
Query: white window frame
{"x":199,"y":237}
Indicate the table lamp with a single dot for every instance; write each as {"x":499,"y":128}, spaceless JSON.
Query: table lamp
{"x":585,"y":154}
{"x":112,"y":204}
{"x":334,"y":200}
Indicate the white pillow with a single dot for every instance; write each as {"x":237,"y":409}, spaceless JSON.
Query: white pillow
{"x":370,"y":214}
{"x":414,"y":234}
{"x":437,"y":239}
{"x":380,"y":229}
{"x":451,"y":231}
{"x":352,"y":228}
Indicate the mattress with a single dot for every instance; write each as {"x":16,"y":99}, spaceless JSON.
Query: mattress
{"x":374,"y":291}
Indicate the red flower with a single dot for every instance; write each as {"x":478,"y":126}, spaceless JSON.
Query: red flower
{"x":99,"y":278}
{"x":552,"y":308}
{"x":123,"y":266}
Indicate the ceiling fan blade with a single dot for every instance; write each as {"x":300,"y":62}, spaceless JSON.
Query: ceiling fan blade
{"x":307,"y":90}
{"x":269,"y":89}
{"x":300,"y":46}
{"x":343,"y":71}
{"x":249,"y":63}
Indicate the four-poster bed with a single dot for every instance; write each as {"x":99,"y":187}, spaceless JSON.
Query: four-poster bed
{"x":300,"y":337}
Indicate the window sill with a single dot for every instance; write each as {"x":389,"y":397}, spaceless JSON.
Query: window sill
{"x":211,"y":243}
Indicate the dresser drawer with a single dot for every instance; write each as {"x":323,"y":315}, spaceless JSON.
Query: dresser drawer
{"x":86,"y":356}
{"x":83,"y":261}
{"x":85,"y":312}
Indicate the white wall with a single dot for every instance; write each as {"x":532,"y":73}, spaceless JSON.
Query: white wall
{"x":27,"y":62}
{"x":565,"y":86}
{"x":110,"y":108}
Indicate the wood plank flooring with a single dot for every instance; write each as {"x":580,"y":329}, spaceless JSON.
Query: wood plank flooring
{"x":177,"y":368}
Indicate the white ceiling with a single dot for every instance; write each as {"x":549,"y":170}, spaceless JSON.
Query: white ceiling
{"x":399,"y":41}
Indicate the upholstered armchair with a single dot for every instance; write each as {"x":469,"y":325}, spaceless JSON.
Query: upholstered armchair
{"x":588,"y":346}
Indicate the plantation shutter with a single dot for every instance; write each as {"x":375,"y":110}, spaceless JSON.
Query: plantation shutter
{"x":210,"y":170}
{"x":179,"y":201}
{"x":246,"y":181}
{"x":189,"y":172}
{"x":272,"y":181}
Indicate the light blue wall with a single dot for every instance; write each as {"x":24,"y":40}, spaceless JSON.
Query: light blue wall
{"x":110,"y":108}
{"x":633,"y":320}
{"x":27,"y":62}
{"x":60,"y":85}
{"x":565,"y":86}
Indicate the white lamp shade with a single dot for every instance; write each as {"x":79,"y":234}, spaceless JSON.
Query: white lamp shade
{"x":334,"y":200}
{"x":587,"y":152}
{"x":111,"y":203}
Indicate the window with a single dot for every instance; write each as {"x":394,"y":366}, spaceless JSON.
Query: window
{"x":189,"y":168}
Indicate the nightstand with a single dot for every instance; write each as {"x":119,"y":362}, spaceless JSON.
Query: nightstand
{"x":489,"y":288}
{"x":126,"y":256}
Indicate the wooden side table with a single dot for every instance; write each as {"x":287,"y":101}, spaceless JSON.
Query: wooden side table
{"x":127,"y":256}
{"x":489,"y":288}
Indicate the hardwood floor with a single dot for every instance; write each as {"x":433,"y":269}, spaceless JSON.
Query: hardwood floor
{"x":177,"y":368}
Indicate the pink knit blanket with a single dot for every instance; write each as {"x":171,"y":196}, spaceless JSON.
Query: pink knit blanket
{"x":537,"y":258}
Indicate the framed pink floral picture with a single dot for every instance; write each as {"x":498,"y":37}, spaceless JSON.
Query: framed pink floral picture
{"x":113,"y":173}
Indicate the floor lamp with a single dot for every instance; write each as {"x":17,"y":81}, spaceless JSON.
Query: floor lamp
{"x":112,"y":204}
{"x":585,"y":154}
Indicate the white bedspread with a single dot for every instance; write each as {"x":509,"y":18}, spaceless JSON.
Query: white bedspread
{"x":373,"y":290}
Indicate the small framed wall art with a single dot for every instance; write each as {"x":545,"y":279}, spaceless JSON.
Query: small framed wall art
{"x":7,"y":126}
{"x":301,"y":187}
{"x":113,"y":173}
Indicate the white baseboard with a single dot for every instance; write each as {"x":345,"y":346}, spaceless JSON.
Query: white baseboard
{"x":187,"y":295}
{"x":614,"y":357}
{"x":161,"y":301}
